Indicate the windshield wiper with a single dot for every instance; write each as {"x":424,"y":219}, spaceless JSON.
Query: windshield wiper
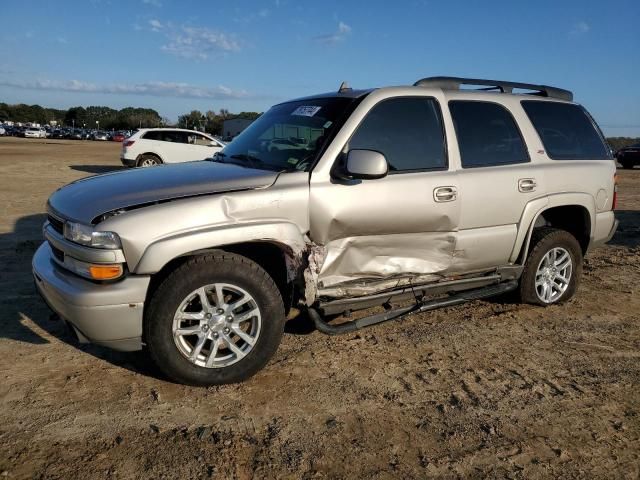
{"x":255,"y":162}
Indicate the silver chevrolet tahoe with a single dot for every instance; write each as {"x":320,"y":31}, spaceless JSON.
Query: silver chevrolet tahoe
{"x":408,"y":198}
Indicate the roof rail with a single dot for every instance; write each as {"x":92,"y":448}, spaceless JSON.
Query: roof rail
{"x":454,"y":83}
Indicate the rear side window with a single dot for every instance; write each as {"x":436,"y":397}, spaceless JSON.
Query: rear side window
{"x":487,"y":134}
{"x":153,"y":135}
{"x":407,"y":130}
{"x":173,"y":136}
{"x":566,"y":130}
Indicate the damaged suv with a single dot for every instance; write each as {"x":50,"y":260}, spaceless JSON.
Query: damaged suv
{"x":428,"y":195}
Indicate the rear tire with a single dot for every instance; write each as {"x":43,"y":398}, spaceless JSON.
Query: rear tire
{"x":149,"y":160}
{"x":627,"y":165}
{"x":226,"y":279}
{"x":553,"y":268}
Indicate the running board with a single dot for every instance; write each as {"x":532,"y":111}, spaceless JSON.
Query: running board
{"x":455,"y":299}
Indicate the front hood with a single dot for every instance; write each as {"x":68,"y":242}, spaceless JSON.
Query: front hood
{"x":86,"y":199}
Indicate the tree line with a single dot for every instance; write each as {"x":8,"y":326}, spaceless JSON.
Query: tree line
{"x":131,"y":118}
{"x":617,"y":143}
{"x":211,"y":121}
{"x":90,"y":117}
{"x":128,"y":118}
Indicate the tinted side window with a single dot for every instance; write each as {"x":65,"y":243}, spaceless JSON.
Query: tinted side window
{"x":487,"y":134}
{"x":408,"y":131}
{"x":152,"y":135}
{"x":173,"y":136}
{"x":176,"y":137}
{"x":197,"y":139}
{"x":566,"y":130}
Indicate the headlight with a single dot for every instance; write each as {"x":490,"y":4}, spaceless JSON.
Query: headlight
{"x":85,"y":235}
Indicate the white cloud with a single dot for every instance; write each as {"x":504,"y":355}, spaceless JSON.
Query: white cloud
{"x":62,"y":40}
{"x":153,"y":3}
{"x":156,"y":89}
{"x":194,"y":42}
{"x":580,"y":28}
{"x":156,"y":25}
{"x":339,"y":35}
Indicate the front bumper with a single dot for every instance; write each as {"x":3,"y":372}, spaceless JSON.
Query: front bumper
{"x":108,"y":314}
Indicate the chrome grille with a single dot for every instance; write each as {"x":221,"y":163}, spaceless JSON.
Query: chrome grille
{"x":56,"y":223}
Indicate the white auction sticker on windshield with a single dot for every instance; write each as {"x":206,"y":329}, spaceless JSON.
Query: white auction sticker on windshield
{"x":306,"y":111}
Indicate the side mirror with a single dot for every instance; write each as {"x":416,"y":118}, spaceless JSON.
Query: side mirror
{"x":366,"y":164}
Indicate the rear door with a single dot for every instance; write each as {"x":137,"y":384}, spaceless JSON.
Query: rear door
{"x":171,"y":145}
{"x":497,"y":180}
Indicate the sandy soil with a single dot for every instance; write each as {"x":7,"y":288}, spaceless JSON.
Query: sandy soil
{"x":490,"y":388}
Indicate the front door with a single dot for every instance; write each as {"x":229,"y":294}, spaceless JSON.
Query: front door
{"x":201,"y":147}
{"x":400,"y":227}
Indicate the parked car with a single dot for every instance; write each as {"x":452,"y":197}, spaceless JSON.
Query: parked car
{"x":154,"y":146}
{"x":118,"y":137}
{"x":286,"y":143}
{"x":34,"y":132}
{"x":429,"y":194}
{"x":629,"y":156}
{"x":3,"y":132}
{"x":99,"y":135}
{"x":76,"y":134}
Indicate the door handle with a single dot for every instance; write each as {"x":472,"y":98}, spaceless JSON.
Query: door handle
{"x":445,"y":194}
{"x":527,"y":185}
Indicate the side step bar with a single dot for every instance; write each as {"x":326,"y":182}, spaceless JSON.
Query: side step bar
{"x":455,"y":299}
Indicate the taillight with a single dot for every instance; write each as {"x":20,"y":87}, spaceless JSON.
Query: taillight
{"x":128,"y":143}
{"x":614,"y":204}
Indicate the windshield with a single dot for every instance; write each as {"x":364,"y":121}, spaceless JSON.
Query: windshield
{"x":288,"y":136}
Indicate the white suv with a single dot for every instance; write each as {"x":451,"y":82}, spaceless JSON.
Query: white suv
{"x":154,"y":146}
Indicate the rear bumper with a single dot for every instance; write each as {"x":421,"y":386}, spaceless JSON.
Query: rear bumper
{"x":128,"y":162}
{"x":105,"y":314}
{"x":606,"y":225}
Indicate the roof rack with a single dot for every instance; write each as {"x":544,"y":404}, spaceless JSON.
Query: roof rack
{"x":454,"y":83}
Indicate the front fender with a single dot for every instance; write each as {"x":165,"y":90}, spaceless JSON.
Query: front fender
{"x":161,"y":252}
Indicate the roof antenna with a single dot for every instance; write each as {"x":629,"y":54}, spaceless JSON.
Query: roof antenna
{"x":344,"y":86}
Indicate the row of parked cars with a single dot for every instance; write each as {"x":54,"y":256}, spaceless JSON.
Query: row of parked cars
{"x":63,"y":133}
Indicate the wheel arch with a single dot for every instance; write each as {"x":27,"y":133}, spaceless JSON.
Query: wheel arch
{"x":277,"y":248}
{"x":573,"y":212}
{"x":154,"y":154}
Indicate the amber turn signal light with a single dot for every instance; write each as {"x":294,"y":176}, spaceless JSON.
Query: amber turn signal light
{"x":105,"y":272}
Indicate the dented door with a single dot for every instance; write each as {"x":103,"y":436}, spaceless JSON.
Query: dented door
{"x":374,"y":234}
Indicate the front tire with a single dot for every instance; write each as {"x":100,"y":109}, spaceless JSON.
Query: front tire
{"x":553,"y":268}
{"x":216,"y":319}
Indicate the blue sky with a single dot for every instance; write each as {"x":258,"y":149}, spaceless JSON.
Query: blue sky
{"x":176,"y":56}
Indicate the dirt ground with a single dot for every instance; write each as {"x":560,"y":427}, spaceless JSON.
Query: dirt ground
{"x":488,"y":389}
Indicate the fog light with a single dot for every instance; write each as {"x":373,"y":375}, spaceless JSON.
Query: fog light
{"x":105,"y":272}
